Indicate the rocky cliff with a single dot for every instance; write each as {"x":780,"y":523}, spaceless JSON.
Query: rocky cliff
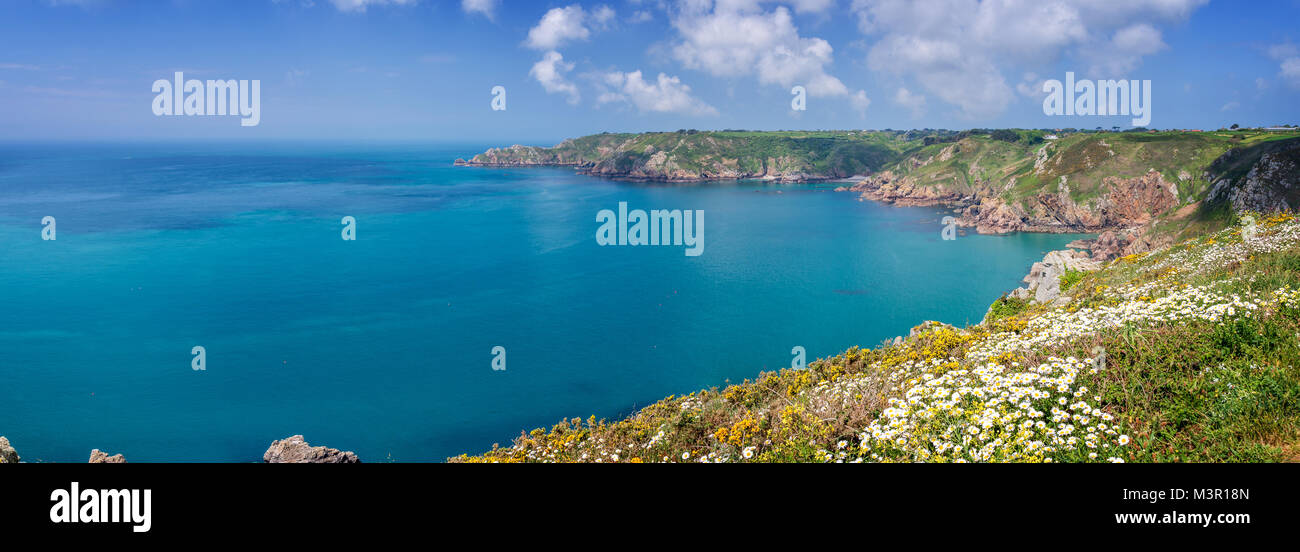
{"x":690,"y":156}
{"x":1137,"y":190}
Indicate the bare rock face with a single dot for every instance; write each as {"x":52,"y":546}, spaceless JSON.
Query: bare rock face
{"x":100,"y":457}
{"x":1044,"y":279}
{"x":1267,"y":188}
{"x":1110,"y":244}
{"x":994,"y":216}
{"x":7,"y":453}
{"x":886,"y":187}
{"x":295,"y":450}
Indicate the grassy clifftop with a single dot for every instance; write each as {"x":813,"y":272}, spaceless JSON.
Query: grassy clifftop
{"x":1159,"y":185}
{"x":692,"y":155}
{"x":1185,"y":354}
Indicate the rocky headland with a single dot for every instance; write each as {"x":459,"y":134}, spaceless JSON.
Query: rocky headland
{"x":1136,"y":191}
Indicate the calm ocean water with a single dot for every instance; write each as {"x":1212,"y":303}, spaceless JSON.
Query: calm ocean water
{"x":383,"y":345}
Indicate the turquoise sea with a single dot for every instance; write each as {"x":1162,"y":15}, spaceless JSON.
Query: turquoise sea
{"x":383,"y":345}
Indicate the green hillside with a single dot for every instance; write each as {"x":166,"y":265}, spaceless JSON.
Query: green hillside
{"x":1187,"y":354}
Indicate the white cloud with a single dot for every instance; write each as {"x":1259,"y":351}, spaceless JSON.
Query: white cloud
{"x":913,"y":102}
{"x":488,"y":8}
{"x":1230,"y":106}
{"x":602,"y":16}
{"x":1291,"y":71}
{"x":1124,"y":52}
{"x":740,"y":38}
{"x":1031,"y":86}
{"x":737,"y":38}
{"x":665,"y":95}
{"x":558,"y":26}
{"x":969,"y":81}
{"x":811,"y":6}
{"x":1283,"y":51}
{"x":860,"y":102}
{"x":1289,"y":56}
{"x":360,"y":5}
{"x":550,"y":73}
{"x":958,"y":50}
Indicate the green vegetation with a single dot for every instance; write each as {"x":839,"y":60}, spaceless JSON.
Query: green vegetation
{"x":1070,"y":278}
{"x":1187,"y":354}
{"x":1017,"y":166}
{"x":1007,"y":307}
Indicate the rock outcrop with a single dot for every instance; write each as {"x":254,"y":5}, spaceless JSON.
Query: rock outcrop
{"x":1271,"y":185}
{"x":1043,"y":283}
{"x":100,"y":457}
{"x":524,"y":156}
{"x":1128,"y":202}
{"x":295,"y":450}
{"x":7,"y":453}
{"x":1099,"y":183}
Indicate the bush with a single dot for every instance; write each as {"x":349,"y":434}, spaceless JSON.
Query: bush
{"x":1070,"y":278}
{"x":1006,"y":307}
{"x":1006,"y":135}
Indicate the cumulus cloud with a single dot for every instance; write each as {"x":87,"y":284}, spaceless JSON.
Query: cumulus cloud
{"x":557,"y":27}
{"x":487,"y":8}
{"x":958,"y":50}
{"x":732,"y":39}
{"x":361,"y":5}
{"x":562,"y":25}
{"x":1125,"y":50}
{"x":664,"y":95}
{"x":549,"y":72}
{"x":741,"y":38}
{"x":970,"y":82}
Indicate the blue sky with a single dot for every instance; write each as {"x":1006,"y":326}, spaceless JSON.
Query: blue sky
{"x":424,"y":69}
